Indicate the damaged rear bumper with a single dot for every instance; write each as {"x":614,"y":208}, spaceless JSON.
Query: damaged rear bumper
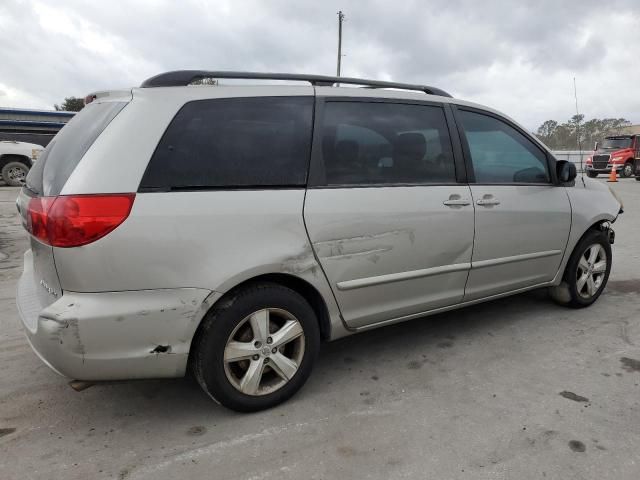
{"x":113,"y":335}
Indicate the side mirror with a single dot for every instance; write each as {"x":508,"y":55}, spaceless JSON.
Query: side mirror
{"x":595,"y":147}
{"x":566,"y":171}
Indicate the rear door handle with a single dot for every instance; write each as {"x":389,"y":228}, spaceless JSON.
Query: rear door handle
{"x":456,"y":203}
{"x":488,"y":202}
{"x":456,"y":200}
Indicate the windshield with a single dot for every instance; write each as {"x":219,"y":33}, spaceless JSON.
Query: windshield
{"x":615,"y":143}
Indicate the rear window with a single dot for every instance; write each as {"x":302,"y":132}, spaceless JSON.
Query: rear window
{"x":234,"y":143}
{"x":52,"y":170}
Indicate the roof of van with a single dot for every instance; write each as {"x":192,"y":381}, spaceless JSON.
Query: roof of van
{"x":181,"y":78}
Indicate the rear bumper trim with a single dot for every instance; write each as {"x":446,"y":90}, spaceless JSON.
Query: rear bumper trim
{"x":112,"y":335}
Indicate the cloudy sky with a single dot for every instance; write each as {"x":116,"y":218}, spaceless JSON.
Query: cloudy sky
{"x":517,"y":56}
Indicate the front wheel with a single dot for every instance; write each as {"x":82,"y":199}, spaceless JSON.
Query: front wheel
{"x":627,"y":170}
{"x":15,"y":173}
{"x":586,"y":273}
{"x":592,"y":174}
{"x":257,"y":347}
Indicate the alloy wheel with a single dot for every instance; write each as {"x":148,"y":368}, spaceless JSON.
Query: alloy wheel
{"x":264,"y":351}
{"x":17,"y":174}
{"x":628,"y":170}
{"x":591,"y":271}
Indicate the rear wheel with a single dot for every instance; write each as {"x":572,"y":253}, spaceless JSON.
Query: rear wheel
{"x":257,"y":348}
{"x":14,"y":173}
{"x":586,"y":273}
{"x":592,"y":174}
{"x":627,"y":170}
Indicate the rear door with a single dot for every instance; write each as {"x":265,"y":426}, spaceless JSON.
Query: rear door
{"x":522,"y":219}
{"x":390,"y":221}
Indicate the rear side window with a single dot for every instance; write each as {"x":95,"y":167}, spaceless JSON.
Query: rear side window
{"x":382,"y":143}
{"x":234,"y":142}
{"x":52,"y":170}
{"x":501,"y":154}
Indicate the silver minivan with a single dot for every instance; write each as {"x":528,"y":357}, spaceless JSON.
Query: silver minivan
{"x":229,"y":229}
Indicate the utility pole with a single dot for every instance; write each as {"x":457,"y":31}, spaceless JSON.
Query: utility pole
{"x":575,"y":94}
{"x":340,"y":20}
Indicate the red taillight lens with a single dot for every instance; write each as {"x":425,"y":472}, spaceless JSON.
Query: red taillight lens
{"x":75,"y":220}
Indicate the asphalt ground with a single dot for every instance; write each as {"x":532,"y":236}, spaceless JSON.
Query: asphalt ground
{"x":517,"y":388}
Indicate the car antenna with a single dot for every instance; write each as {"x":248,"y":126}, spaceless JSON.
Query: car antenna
{"x":575,"y":95}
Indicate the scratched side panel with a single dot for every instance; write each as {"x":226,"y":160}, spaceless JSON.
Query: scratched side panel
{"x":391,"y":251}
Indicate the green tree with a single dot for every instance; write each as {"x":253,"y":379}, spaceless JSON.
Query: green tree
{"x":70,"y":104}
{"x":565,"y":136}
{"x":547,"y":130}
{"x":205,"y":81}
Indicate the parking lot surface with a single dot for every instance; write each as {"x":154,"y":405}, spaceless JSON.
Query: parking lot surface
{"x":517,"y":388}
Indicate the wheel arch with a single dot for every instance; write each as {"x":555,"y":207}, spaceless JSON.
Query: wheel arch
{"x":297,"y":284}
{"x":596,"y":225}
{"x":307,"y":291}
{"x":14,"y":157}
{"x":562,"y":291}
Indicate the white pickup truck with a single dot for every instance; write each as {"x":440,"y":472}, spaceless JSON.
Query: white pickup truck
{"x":16,"y":158}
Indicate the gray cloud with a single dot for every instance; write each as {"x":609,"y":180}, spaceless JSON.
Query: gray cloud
{"x":520,"y":58}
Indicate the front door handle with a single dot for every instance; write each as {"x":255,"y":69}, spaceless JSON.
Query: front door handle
{"x":488,"y":201}
{"x":456,"y":200}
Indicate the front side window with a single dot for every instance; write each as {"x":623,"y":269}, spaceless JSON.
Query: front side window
{"x":234,"y":142}
{"x":501,"y":154}
{"x":385,"y":143}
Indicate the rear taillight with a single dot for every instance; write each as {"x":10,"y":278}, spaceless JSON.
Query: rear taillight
{"x":75,"y":220}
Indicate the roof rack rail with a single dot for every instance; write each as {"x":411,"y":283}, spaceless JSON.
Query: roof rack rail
{"x":181,"y":78}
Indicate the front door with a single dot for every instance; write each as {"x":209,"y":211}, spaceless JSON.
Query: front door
{"x":389,"y":223}
{"x":522,"y":219}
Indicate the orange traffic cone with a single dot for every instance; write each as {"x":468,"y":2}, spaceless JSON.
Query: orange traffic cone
{"x":613,"y":176}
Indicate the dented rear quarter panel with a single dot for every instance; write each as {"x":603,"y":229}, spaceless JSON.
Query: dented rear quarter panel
{"x":119,"y":335}
{"x":211,"y":240}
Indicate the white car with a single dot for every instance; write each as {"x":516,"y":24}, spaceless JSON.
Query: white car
{"x":16,"y":158}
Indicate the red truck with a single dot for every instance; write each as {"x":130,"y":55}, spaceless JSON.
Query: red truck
{"x":616,"y":151}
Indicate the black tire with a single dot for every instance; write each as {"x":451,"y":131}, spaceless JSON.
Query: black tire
{"x":627,"y":170}
{"x":567,"y":293}
{"x":14,"y":173}
{"x":220,"y":326}
{"x":638,"y":178}
{"x":592,"y":174}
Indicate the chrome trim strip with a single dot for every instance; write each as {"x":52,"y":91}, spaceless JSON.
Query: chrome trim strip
{"x":515,"y":258}
{"x":398,"y":277}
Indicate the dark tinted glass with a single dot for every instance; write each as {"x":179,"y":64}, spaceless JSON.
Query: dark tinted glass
{"x":234,"y":142}
{"x":383,"y":143}
{"x":501,"y":154}
{"x":613,"y":143}
{"x":52,"y":170}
